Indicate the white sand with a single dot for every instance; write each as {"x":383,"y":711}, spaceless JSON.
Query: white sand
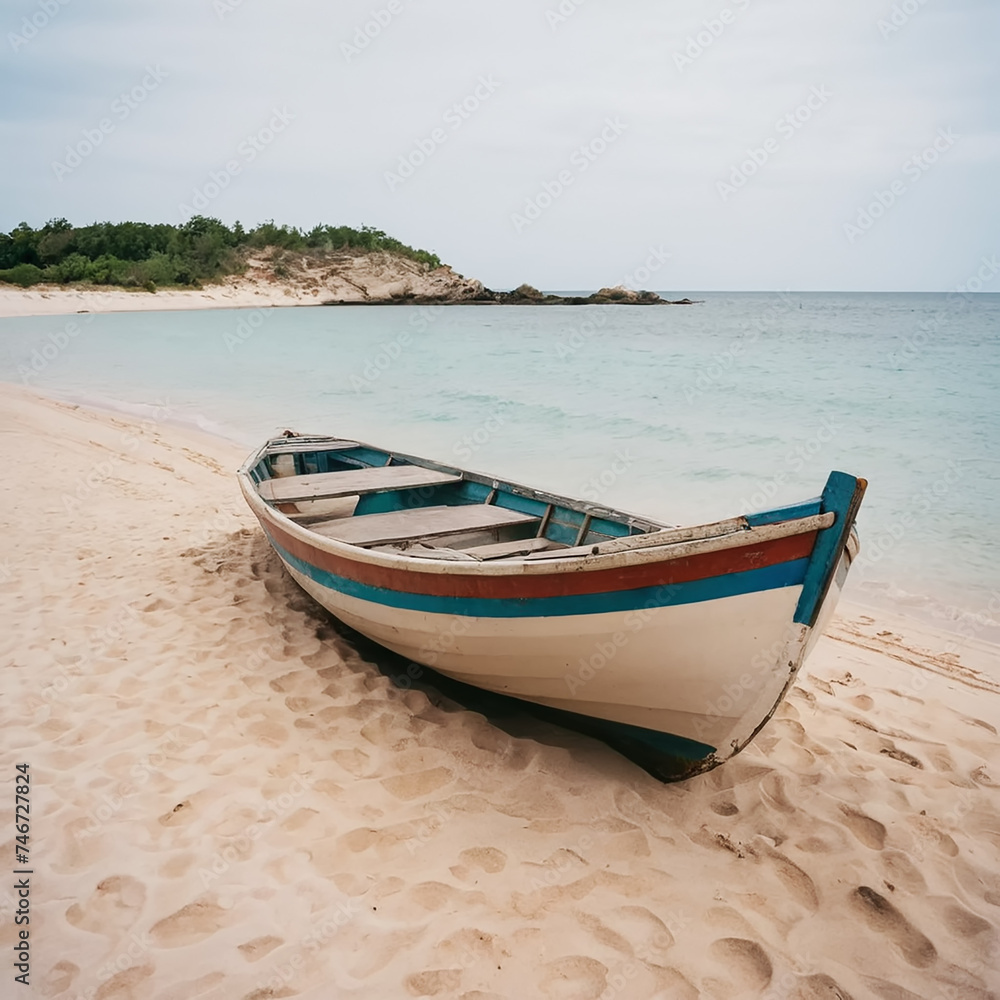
{"x":228,"y":802}
{"x":347,"y":277}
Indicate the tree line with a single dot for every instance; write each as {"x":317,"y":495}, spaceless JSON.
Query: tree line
{"x":144,"y":255}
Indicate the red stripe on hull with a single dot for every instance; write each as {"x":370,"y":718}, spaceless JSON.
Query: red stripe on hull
{"x":653,"y":574}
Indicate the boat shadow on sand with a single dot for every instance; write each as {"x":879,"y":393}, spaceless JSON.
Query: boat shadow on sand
{"x":581,"y":737}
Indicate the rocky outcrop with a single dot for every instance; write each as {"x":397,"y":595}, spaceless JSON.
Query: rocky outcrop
{"x":619,"y":295}
{"x":357,"y":277}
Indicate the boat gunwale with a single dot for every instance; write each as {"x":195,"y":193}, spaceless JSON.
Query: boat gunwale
{"x":620,"y":552}
{"x":647,"y":524}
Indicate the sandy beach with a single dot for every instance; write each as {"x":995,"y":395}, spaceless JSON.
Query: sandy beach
{"x":229,"y":803}
{"x":349,"y":278}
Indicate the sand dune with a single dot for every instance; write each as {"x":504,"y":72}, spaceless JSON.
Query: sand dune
{"x":229,"y":802}
{"x":346,"y":277}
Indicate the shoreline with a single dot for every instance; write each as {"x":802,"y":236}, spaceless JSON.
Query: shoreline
{"x":922,"y":609}
{"x":229,"y":798}
{"x":247,"y":294}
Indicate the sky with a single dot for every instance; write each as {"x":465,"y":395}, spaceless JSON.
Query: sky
{"x":572,"y":144}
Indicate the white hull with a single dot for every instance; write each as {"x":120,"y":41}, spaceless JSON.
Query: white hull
{"x":711,"y":672}
{"x":675,"y":644}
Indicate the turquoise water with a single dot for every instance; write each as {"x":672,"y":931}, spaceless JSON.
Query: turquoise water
{"x":680,"y":413}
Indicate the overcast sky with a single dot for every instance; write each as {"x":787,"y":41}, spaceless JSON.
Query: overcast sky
{"x":721,"y":144}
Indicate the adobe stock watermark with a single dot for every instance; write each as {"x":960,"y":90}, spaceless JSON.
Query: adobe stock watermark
{"x":139,"y":944}
{"x":247,"y":151}
{"x":570,"y":343}
{"x":598,"y":485}
{"x":276,"y":981}
{"x":31,"y":26}
{"x":959,"y":299}
{"x":112,"y":802}
{"x":391,"y":351}
{"x":709,"y":375}
{"x":382,"y":360}
{"x":43,"y":356}
{"x":795,"y":461}
{"x":899,"y":17}
{"x":758,"y":156}
{"x":471,"y":443}
{"x":970,"y":624}
{"x":223,"y":8}
{"x":605,"y":650}
{"x":366,"y":33}
{"x":580,"y":161}
{"x":99,"y":642}
{"x":637,"y":279}
{"x":445,"y":640}
{"x":878,"y":546}
{"x":239,"y":848}
{"x":246,"y":327}
{"x":454,"y":118}
{"x":121,"y":108}
{"x":87,"y":485}
{"x":735,"y":696}
{"x":54,"y":345}
{"x":556,"y":16}
{"x":914,"y":168}
{"x":713,"y":28}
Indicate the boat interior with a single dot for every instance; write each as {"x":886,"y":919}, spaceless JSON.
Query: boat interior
{"x":388,"y":502}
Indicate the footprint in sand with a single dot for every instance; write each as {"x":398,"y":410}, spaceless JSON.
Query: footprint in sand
{"x":267,"y":734}
{"x":882,"y":916}
{"x":59,"y":979}
{"x":724,"y":805}
{"x":603,"y":933}
{"x":255,"y":950}
{"x":193,"y":988}
{"x":963,"y":922}
{"x":128,"y":985}
{"x":900,"y":870}
{"x":113,"y":907}
{"x":772,"y":793}
{"x":189,"y":925}
{"x":744,"y":961}
{"x":434,"y":982}
{"x":490,"y":859}
{"x":179,"y":815}
{"x":575,"y":977}
{"x":798,"y":884}
{"x":412,"y":786}
{"x":869,"y":831}
{"x":823,"y":987}
{"x":647,"y":935}
{"x":467,"y":947}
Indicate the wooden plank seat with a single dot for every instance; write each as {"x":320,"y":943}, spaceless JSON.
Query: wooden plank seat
{"x":419,"y":523}
{"x":351,"y":482}
{"x":303,"y":446}
{"x":504,"y":550}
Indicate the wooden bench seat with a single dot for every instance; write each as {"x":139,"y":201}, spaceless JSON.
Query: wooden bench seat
{"x":503,"y":550}
{"x":299,"y":446}
{"x":328,"y":485}
{"x":419,"y":523}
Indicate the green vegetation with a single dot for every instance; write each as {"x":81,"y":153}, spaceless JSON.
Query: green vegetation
{"x":140,"y":255}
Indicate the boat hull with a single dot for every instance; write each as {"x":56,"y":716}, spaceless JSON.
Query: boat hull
{"x":677,"y":654}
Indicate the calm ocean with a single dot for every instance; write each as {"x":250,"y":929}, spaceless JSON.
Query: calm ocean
{"x":681,"y":413}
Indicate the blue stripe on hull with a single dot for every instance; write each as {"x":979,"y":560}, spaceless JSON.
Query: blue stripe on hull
{"x":787,"y":574}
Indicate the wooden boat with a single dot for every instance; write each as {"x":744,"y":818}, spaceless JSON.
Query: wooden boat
{"x":675,"y":644}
